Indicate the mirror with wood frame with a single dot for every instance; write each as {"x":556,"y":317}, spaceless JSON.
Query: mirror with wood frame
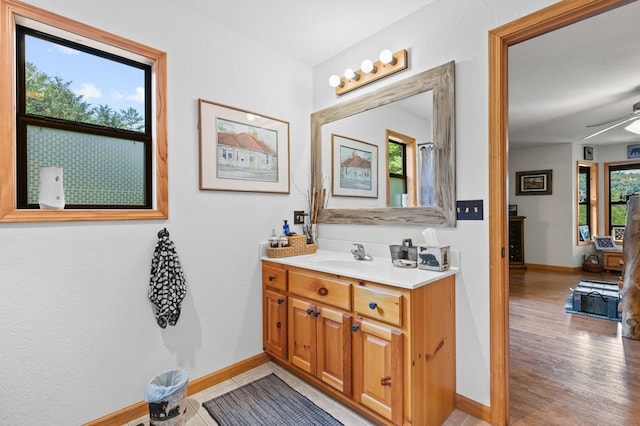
{"x":440,"y":82}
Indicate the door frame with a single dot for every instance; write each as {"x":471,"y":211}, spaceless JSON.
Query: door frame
{"x":543,"y":21}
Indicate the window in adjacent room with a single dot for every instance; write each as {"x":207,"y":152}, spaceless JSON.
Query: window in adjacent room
{"x":622,"y":180}
{"x":89,"y":107}
{"x":587,"y":194}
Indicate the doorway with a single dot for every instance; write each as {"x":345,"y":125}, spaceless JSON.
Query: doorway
{"x":530,"y":26}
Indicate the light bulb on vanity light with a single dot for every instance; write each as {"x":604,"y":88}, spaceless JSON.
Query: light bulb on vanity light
{"x":350,"y":74}
{"x":368,"y":67}
{"x":335,"y":81}
{"x":386,"y":57}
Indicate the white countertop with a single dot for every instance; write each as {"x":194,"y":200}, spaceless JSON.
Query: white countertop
{"x":378,"y":270}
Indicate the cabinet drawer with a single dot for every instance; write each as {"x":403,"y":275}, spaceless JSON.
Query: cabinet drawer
{"x":320,"y":288}
{"x":274,"y":277}
{"x":379,"y":305}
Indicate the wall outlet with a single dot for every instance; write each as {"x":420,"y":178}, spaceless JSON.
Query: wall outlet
{"x":298,"y":217}
{"x":469,"y":210}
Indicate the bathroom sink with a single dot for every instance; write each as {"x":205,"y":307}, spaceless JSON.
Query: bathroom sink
{"x":343,"y":264}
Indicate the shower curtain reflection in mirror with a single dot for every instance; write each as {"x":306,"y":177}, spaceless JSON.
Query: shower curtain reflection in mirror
{"x":425,"y":161}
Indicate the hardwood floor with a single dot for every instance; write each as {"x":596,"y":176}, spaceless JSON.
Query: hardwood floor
{"x":567,"y":369}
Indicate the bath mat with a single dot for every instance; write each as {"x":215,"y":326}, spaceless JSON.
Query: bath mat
{"x":267,"y":401}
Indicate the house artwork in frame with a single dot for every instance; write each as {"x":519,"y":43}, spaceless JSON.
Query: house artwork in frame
{"x":241,"y":150}
{"x":535,"y":182}
{"x":354,"y":167}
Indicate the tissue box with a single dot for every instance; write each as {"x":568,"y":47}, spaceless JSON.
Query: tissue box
{"x":433,"y":258}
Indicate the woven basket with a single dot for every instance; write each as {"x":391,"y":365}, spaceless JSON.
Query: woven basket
{"x":297,"y":246}
{"x":591,"y":266}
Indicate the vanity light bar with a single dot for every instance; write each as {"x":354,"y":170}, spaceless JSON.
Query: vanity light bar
{"x":380,"y":69}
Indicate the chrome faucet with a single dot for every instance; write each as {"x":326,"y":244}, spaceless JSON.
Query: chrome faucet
{"x":359,"y":252}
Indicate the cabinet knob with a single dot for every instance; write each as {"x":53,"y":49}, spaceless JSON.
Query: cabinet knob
{"x":278,"y":324}
{"x":355,"y":327}
{"x":373,"y":305}
{"x":316,"y":314}
{"x":309,"y":311}
{"x":322,"y":291}
{"x":386,"y":381}
{"x":280,"y":301}
{"x":271,"y":278}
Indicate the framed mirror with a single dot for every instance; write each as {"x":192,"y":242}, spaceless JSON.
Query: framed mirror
{"x":441,"y":209}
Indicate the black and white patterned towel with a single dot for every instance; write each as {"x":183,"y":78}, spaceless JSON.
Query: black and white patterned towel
{"x":167,"y":287}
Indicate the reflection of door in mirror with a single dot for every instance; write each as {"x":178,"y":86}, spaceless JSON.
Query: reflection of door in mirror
{"x":408,"y":121}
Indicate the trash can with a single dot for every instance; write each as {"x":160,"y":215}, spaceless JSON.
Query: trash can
{"x":167,"y":397}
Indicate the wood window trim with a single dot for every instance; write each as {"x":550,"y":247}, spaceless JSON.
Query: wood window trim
{"x":607,"y":183}
{"x":593,"y":200}
{"x":411,"y":171}
{"x":10,"y":10}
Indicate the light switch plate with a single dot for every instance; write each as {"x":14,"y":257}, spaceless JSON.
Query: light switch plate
{"x":469,"y":210}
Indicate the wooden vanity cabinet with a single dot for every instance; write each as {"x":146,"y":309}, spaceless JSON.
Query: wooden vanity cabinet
{"x":274,"y":311}
{"x":386,"y":352}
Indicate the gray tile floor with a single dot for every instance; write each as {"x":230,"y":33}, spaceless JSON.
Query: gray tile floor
{"x":198,"y":416}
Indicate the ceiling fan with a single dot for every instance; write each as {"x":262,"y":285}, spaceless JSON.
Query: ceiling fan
{"x":635,"y":114}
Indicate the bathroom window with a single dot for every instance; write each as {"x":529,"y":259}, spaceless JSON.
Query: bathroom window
{"x":88,"y":107}
{"x":401,"y":169}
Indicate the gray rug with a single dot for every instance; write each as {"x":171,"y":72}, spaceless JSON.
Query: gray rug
{"x":267,"y":401}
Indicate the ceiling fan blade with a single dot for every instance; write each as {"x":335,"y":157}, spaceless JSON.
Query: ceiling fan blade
{"x":631,"y":118}
{"x":607,"y":122}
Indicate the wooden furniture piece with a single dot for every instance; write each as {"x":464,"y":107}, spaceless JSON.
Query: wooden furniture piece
{"x":385,"y":351}
{"x":613,"y":260}
{"x":516,"y":241}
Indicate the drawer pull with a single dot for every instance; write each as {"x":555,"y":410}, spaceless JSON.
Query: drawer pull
{"x":373,"y":305}
{"x":386,"y":381}
{"x":271,"y":278}
{"x":280,"y":301}
{"x":355,"y":327}
{"x":309,"y":311}
{"x":322,"y":291}
{"x":278,"y":324}
{"x":316,"y":314}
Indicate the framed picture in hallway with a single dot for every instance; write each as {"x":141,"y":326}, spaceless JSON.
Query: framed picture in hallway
{"x":534,"y":182}
{"x":242,"y":150}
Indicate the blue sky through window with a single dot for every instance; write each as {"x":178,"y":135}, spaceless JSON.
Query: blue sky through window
{"x":98,"y":80}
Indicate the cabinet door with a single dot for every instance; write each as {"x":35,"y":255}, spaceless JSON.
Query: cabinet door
{"x":334,"y":348}
{"x":302,"y":334}
{"x":377,"y":378}
{"x":274,"y":323}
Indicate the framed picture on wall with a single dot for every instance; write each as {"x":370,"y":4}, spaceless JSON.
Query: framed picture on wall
{"x":588,"y":153}
{"x":584,"y":232}
{"x":354,"y":167}
{"x":534,"y":182}
{"x":633,"y":151}
{"x":241,"y":150}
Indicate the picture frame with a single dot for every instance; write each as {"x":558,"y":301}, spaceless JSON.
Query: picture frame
{"x":583,"y":233}
{"x":633,"y":151}
{"x":241,"y":150}
{"x":354,"y":167}
{"x":587,"y":152}
{"x":513,"y":210}
{"x":617,"y":232}
{"x":604,"y":243}
{"x":534,"y":182}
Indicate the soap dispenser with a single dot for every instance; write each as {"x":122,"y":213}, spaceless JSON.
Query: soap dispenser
{"x":285,"y":228}
{"x":273,"y":240}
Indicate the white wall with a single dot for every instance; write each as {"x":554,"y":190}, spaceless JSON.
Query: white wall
{"x":78,"y":338}
{"x":441,"y":32}
{"x":78,"y":330}
{"x":549,"y":227}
